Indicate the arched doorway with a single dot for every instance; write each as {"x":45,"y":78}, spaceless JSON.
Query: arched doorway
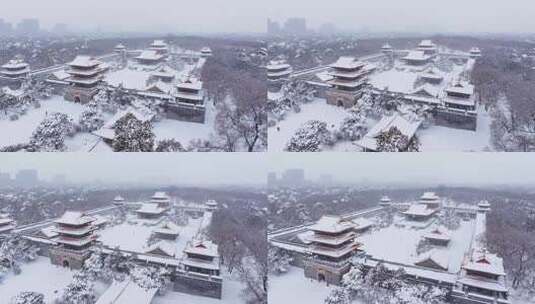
{"x":66,"y":264}
{"x":321,"y":277}
{"x":77,"y":99}
{"x":340,"y":103}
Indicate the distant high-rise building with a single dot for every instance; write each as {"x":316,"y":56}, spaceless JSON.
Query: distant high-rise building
{"x":27,"y":178}
{"x":295,"y":26}
{"x":28,"y":27}
{"x":273,"y":27}
{"x":5,"y":28}
{"x":293,"y":177}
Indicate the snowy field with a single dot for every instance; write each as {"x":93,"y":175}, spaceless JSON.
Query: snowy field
{"x":405,"y":240}
{"x":20,"y":131}
{"x":293,"y":285}
{"x":316,"y":110}
{"x":40,"y":276}
{"x":437,"y":138}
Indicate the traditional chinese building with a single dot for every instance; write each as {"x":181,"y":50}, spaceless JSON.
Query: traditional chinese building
{"x":278,"y":71}
{"x":120,"y":48}
{"x":427,"y":47}
{"x":483,"y":207}
{"x":199,"y":271}
{"x":460,"y":97}
{"x":206,"y":52}
{"x":160,"y":47}
{"x":167,"y":231}
{"x":417,"y":58}
{"x":475,"y":53}
{"x":75,"y":238}
{"x":150,"y":58}
{"x":482,"y":280}
{"x":439,"y":237}
{"x":190,"y":92}
{"x":15,"y":68}
{"x":211,"y":205}
{"x":118,"y":200}
{"x":331,"y":247}
{"x":161,"y":199}
{"x":431,"y":200}
{"x":387,"y":49}
{"x":385,"y":201}
{"x":432,"y":75}
{"x":150,"y":211}
{"x":86,"y":74}
{"x":349,"y":77}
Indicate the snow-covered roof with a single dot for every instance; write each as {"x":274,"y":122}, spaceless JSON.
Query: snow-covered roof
{"x":99,"y":220}
{"x":118,"y":198}
{"x":168,"y":248}
{"x":386,"y":46}
{"x":49,"y":232}
{"x":149,"y":55}
{"x":438,"y":234}
{"x":385,"y":199}
{"x":486,"y":263}
{"x":15,"y":64}
{"x":277,"y":65}
{"x":202,"y":247}
{"x":332,"y":224}
{"x":347,"y":62}
{"x":419,"y":210}
{"x":484,"y":204}
{"x":168,"y":228}
{"x":158,"y":43}
{"x":75,"y":218}
{"x":190,"y":84}
{"x":461,"y":87}
{"x":405,"y":126}
{"x":61,"y":75}
{"x":426,"y":43}
{"x":484,"y":284}
{"x":426,"y":90}
{"x":429,"y":196}
{"x":150,"y":209}
{"x":127,"y":292}
{"x":120,"y":46}
{"x":416,"y":56}
{"x":13,"y":93}
{"x":84,"y":61}
{"x":438,"y":257}
{"x":160,"y":195}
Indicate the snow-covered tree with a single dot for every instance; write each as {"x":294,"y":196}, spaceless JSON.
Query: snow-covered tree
{"x":353,"y":127}
{"x":28,"y":297}
{"x":338,"y":296}
{"x":395,"y":141}
{"x":51,"y":132}
{"x":278,"y":261}
{"x":133,"y":135}
{"x":151,"y":277}
{"x":91,"y":120}
{"x":169,"y":145}
{"x":310,"y":137}
{"x":79,"y":291}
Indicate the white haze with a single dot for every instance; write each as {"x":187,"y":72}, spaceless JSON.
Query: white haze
{"x":508,"y":169}
{"x":250,"y":16}
{"x":148,"y":168}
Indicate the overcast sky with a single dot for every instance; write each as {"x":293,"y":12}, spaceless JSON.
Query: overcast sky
{"x":434,"y":168}
{"x":180,"y":168}
{"x":251,"y":15}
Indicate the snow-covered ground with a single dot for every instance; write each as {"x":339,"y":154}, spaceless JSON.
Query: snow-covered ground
{"x":20,"y":131}
{"x":40,"y":276}
{"x":293,"y":287}
{"x":443,"y":139}
{"x":279,"y":135}
{"x":405,"y":241}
